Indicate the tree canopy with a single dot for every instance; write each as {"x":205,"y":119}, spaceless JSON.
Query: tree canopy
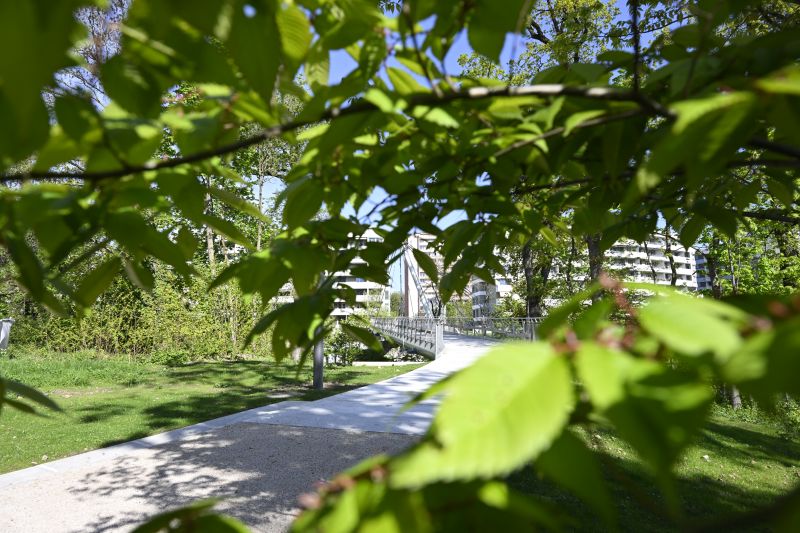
{"x":617,"y":133}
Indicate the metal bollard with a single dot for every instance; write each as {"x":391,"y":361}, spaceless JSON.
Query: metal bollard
{"x":5,"y":332}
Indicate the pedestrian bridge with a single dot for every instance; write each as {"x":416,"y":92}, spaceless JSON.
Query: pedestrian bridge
{"x":428,"y":335}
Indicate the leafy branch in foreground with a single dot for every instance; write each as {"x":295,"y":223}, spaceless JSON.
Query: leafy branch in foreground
{"x":697,"y":126}
{"x":654,"y":372}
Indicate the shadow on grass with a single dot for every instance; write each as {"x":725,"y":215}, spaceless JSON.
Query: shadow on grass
{"x":704,"y":498}
{"x":229,"y":396}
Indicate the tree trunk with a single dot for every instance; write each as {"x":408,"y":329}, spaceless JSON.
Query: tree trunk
{"x":712,"y":264}
{"x":536,"y":277}
{"x":668,"y":252}
{"x":231,"y":311}
{"x":573,"y":255}
{"x":212,"y":260}
{"x":789,"y":249}
{"x":736,"y":398}
{"x":596,"y":257}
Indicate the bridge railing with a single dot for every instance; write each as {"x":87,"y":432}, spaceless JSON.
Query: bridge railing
{"x":509,"y":328}
{"x":425,"y":335}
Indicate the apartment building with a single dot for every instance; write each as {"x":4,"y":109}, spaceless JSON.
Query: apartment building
{"x":371,"y":297}
{"x":648,"y":262}
{"x":701,"y":267}
{"x":486,"y":296}
{"x":630,"y":260}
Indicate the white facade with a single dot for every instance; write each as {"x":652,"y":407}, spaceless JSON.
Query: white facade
{"x":701,"y":267}
{"x":639,"y":264}
{"x":415,"y":299}
{"x":629,"y":259}
{"x":371,"y":297}
{"x":486,"y":296}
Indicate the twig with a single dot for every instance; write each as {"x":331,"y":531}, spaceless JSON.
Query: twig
{"x":633,"y":6}
{"x":406,"y":9}
{"x":605,"y":119}
{"x":778,"y":148}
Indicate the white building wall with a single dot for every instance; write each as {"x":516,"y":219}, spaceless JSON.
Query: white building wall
{"x":627,"y":258}
{"x":370,"y":296}
{"x":414,"y":298}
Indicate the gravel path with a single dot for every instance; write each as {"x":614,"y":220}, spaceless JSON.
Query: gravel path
{"x":259,"y":460}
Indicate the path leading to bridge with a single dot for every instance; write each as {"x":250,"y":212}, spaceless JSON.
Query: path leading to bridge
{"x":259,"y":460}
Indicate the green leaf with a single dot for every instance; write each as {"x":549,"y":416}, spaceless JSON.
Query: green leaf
{"x":635,"y":394}
{"x":187,"y":242}
{"x":60,"y":148}
{"x":97,"y":281}
{"x":76,"y":116}
{"x":31,"y":273}
{"x":303,"y":201}
{"x":295,"y":32}
{"x":36,"y":38}
{"x":558,"y":317}
{"x":691,"y":326}
{"x":197,"y":517}
{"x":573,"y":466}
{"x":133,"y":87}
{"x":255,"y":44}
{"x":228,"y":229}
{"x":785,"y":81}
{"x":691,"y":230}
{"x":548,"y":235}
{"x":706,"y":133}
{"x":525,"y":399}
{"x":602,"y":372}
{"x":362,"y":335}
{"x":426,"y":264}
{"x":403,"y":82}
{"x":435,"y":115}
{"x":317,"y":67}
{"x":489,"y":25}
{"x":139,"y":275}
{"x":237,"y":202}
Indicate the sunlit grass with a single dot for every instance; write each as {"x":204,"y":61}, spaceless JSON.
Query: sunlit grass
{"x":108,"y":401}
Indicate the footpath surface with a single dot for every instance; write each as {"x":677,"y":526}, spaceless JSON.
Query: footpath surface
{"x":258,"y":461}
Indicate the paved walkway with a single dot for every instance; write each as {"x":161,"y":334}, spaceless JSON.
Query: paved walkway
{"x":259,"y":460}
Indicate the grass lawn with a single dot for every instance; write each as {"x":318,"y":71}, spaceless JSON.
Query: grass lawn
{"x":748,"y":464}
{"x":108,"y":401}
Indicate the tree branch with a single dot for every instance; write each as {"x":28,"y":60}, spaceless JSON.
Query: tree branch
{"x":561,"y":129}
{"x":778,"y":148}
{"x":774,"y":216}
{"x":473,"y":93}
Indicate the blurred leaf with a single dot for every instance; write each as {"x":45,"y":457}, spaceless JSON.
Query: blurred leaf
{"x":488,"y":25}
{"x":427,"y":264}
{"x":197,"y":517}
{"x":691,"y":326}
{"x":255,"y":44}
{"x":525,"y":401}
{"x":362,"y":335}
{"x":573,"y":466}
{"x":97,"y":281}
